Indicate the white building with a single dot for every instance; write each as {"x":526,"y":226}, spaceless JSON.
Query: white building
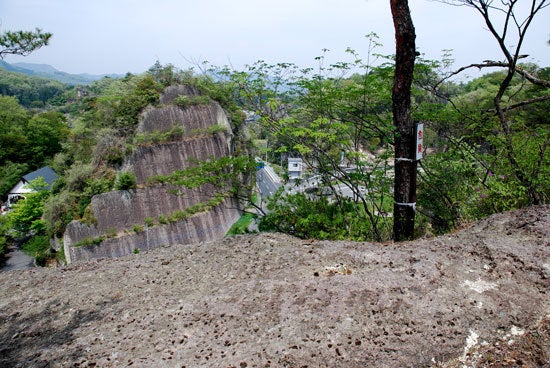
{"x":294,"y":168}
{"x":21,"y":188}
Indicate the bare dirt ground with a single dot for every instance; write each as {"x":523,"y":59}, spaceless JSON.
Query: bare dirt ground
{"x":476,"y":298}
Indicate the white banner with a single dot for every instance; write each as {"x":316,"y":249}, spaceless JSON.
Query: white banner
{"x":419,"y":139}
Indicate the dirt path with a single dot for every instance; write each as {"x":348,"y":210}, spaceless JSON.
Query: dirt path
{"x":271,"y":300}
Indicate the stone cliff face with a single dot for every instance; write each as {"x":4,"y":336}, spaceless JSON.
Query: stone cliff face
{"x":121,"y":215}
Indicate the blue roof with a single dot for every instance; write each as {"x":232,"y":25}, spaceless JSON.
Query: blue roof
{"x":46,"y":172}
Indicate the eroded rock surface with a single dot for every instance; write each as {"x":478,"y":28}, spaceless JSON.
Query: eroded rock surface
{"x":270,"y":300}
{"x":117,"y":214}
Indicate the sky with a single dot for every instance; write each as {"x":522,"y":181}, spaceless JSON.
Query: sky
{"x":120,"y":36}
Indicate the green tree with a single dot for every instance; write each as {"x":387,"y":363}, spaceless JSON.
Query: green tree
{"x":493,"y":132}
{"x":27,"y":139}
{"x":22,"y":42}
{"x":327,"y":117}
{"x":10,"y":174}
{"x":25,"y":217}
{"x":13,"y":140}
{"x":4,"y":239}
{"x":25,"y":223}
{"x":45,"y":134}
{"x":31,"y":91}
{"x":509,"y":26}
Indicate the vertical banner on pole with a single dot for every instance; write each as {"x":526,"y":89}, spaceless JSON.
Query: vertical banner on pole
{"x":419,"y":138}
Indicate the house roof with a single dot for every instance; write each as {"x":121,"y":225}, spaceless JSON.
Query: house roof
{"x":46,"y":172}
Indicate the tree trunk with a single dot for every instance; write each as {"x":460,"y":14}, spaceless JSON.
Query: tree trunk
{"x":405,"y":135}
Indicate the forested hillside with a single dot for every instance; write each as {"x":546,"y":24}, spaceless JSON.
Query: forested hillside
{"x":32,"y":92}
{"x":48,"y":72}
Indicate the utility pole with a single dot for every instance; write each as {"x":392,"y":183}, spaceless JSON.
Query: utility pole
{"x":404,"y":134}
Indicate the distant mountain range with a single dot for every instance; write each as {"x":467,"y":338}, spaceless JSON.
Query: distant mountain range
{"x":48,"y":71}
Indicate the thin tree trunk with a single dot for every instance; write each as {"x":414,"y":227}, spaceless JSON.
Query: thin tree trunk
{"x":405,"y":150}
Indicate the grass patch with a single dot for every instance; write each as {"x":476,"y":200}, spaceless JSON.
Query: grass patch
{"x":90,"y":241}
{"x":242,"y":224}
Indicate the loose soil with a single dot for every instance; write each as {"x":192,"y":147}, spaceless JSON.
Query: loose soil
{"x":475,"y":298}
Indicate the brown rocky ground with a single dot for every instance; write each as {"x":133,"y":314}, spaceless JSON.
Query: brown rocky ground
{"x":478,"y":297}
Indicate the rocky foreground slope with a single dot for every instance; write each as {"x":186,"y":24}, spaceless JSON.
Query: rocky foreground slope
{"x":474,"y":298}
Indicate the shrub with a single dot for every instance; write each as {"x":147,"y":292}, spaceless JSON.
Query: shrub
{"x":213,"y":129}
{"x":187,"y":101}
{"x":162,"y":219}
{"x":173,"y":134}
{"x":109,"y":147}
{"x":38,"y":247}
{"x":149,"y":221}
{"x":59,"y":210}
{"x":76,"y":178}
{"x":90,"y":241}
{"x":111,"y":232}
{"x":4,"y":228}
{"x":125,"y":181}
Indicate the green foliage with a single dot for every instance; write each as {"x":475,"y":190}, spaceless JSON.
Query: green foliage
{"x":25,"y":217}
{"x":125,"y":180}
{"x":318,"y":218}
{"x":447,"y":188}
{"x":4,"y":229}
{"x":59,"y":210}
{"x":223,"y":173}
{"x":13,"y":119}
{"x":499,"y":194}
{"x":146,"y":92}
{"x":22,"y":42}
{"x":121,"y":101}
{"x":187,"y":101}
{"x":45,"y":135}
{"x":24,"y":222}
{"x":10,"y":174}
{"x":77,"y":177}
{"x":173,"y":134}
{"x":29,"y":139}
{"x":39,"y":248}
{"x":242,"y":224}
{"x":149,"y":221}
{"x":181,"y":215}
{"x":163,"y":220}
{"x":109,"y":148}
{"x":111,"y":232}
{"x":333,"y":117}
{"x":138,"y":228}
{"x":212,"y":129}
{"x":487,"y":162}
{"x":327,"y":117}
{"x":32,"y":91}
{"x":73,"y":202}
{"x":90,"y":241}
{"x":167,"y":75}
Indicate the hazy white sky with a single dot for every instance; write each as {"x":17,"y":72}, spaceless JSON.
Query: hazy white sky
{"x":119,"y":36}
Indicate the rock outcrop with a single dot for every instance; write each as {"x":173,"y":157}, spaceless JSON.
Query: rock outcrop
{"x":120,"y":216}
{"x":474,"y":298}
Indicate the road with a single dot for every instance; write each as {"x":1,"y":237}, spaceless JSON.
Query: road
{"x":15,"y":259}
{"x":268,"y":181}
